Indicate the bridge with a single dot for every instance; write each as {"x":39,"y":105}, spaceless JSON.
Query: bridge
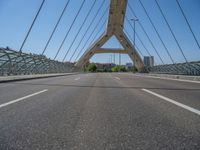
{"x":49,"y":101}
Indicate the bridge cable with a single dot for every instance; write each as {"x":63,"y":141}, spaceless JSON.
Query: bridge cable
{"x":166,"y":49}
{"x":35,"y":18}
{"x":92,"y":41}
{"x":138,"y":37}
{"x":126,"y":32}
{"x":89,"y":12}
{"x":174,"y":35}
{"x":69,"y":29}
{"x":160,"y":9}
{"x":143,"y":29}
{"x":64,"y":9}
{"x":93,"y":19}
{"x":188,"y":24}
{"x":98,"y":22}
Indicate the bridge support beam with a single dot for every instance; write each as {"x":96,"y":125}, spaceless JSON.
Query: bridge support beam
{"x":114,"y":27}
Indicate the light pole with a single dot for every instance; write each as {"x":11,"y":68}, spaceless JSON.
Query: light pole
{"x":114,"y":58}
{"x":134,"y":20}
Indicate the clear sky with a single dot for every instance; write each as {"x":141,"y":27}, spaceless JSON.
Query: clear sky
{"x":16,"y":17}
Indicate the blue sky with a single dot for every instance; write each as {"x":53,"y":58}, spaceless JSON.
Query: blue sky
{"x":16,"y":17}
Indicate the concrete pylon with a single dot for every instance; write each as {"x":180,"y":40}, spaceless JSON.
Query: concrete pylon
{"x":114,"y":27}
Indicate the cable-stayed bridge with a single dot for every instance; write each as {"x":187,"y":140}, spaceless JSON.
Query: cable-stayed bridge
{"x":107,"y":20}
{"x":47,"y":101}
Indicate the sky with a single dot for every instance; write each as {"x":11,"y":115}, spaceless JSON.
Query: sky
{"x":16,"y":17}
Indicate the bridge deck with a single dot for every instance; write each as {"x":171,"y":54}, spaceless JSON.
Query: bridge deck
{"x":99,"y":111}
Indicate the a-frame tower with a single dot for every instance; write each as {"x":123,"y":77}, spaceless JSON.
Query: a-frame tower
{"x":114,"y":27}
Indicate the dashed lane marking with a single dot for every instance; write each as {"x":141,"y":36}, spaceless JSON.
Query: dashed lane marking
{"x":173,"y":102}
{"x":22,"y":98}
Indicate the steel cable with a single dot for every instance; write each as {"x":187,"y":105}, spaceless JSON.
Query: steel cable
{"x":104,"y":13}
{"x":93,"y":19}
{"x":180,"y":49}
{"x":139,"y":38}
{"x":188,"y":24}
{"x":35,"y":18}
{"x":69,"y":29}
{"x":64,"y":9}
{"x":166,"y":49}
{"x":94,"y":2}
{"x":143,"y":29}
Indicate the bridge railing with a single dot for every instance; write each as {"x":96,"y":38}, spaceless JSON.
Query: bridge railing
{"x":16,"y":63}
{"x":191,"y":68}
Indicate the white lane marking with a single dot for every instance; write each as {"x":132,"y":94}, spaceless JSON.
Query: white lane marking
{"x":165,"y":78}
{"x":77,"y":78}
{"x":117,"y":78}
{"x":173,"y":102}
{"x":22,"y":98}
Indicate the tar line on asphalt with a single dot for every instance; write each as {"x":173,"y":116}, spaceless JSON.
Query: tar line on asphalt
{"x":173,"y":102}
{"x":22,"y":98}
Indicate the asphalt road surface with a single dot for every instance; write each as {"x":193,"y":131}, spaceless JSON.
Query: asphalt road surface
{"x":100,"y":111}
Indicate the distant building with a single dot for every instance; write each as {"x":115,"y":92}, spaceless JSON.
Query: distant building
{"x":105,"y":66}
{"x":149,"y":61}
{"x":129,"y":66}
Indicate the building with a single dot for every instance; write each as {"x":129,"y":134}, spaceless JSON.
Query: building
{"x":129,"y":66}
{"x":105,"y":66}
{"x":149,"y":61}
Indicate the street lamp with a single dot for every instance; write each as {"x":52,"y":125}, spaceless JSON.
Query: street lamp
{"x":134,"y":20}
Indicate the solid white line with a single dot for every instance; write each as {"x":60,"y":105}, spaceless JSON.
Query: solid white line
{"x":166,"y":78}
{"x":173,"y":102}
{"x":77,"y":78}
{"x":117,"y":78}
{"x":22,"y":98}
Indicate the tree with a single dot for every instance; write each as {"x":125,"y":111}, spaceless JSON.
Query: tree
{"x":92,"y":68}
{"x":115,"y":69}
{"x":119,"y":69}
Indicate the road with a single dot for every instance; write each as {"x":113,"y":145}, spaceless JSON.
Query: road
{"x":100,"y":111}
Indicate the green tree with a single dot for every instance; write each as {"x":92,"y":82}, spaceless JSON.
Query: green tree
{"x":92,"y":68}
{"x":115,"y":69}
{"x":118,"y":69}
{"x":122,"y":69}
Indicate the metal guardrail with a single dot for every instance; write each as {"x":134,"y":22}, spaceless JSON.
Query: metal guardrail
{"x":16,"y":63}
{"x":191,"y":68}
